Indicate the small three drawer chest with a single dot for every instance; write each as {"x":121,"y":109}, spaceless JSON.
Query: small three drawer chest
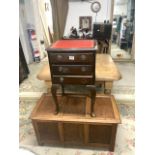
{"x":73,"y":62}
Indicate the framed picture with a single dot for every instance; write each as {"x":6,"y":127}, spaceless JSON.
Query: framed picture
{"x":85,"y":22}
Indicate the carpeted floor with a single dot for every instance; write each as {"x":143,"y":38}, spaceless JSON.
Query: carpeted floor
{"x":32,"y":84}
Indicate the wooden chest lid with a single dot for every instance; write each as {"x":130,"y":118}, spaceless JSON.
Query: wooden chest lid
{"x":76,"y":109}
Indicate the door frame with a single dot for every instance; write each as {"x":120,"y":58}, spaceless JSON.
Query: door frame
{"x":132,"y":59}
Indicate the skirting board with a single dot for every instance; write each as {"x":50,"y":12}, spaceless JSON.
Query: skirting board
{"x":37,"y":95}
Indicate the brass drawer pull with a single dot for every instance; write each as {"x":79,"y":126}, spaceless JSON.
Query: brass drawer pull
{"x":63,"y":69}
{"x":60,"y":69}
{"x":59,"y":57}
{"x":61,"y":79}
{"x":83,"y":69}
{"x":83,"y":57}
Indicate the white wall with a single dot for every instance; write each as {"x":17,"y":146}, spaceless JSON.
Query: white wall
{"x":49,"y":16}
{"x":83,"y":8}
{"x":23,"y":34}
{"x":29,"y":12}
{"x":38,"y":26}
{"x":120,"y":10}
{"x":42,"y":20}
{"x":27,"y":19}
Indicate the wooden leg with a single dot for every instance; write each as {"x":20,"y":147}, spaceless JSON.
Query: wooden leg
{"x":48,"y":84}
{"x":107,"y":87}
{"x":113,"y":138}
{"x":86,"y":134}
{"x":37,"y":133}
{"x":62,"y":88}
{"x":61,"y":132}
{"x":53,"y":91}
{"x":41,"y":144}
{"x":92,"y":89}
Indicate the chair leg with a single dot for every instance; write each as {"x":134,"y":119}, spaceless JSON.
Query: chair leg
{"x":92,"y":89}
{"x":62,"y":88}
{"x":108,"y":87}
{"x":53,"y":91}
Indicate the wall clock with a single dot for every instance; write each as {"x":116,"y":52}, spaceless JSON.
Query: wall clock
{"x":95,"y":6}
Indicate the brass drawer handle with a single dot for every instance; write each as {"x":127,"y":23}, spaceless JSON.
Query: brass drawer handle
{"x":61,"y":79}
{"x":63,"y":69}
{"x":83,"y":57}
{"x":83,"y":69}
{"x":60,"y":69}
{"x":59,"y":57}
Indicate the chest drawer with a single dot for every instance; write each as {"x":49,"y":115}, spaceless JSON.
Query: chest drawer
{"x":72,"y":69}
{"x":81,"y":80}
{"x":58,"y":58}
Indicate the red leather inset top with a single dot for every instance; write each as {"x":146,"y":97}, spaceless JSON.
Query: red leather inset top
{"x":73,"y":44}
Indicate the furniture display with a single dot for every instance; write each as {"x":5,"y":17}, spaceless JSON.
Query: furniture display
{"x":73,"y":126}
{"x":72,"y":62}
{"x":102,"y":33}
{"x":106,"y":72}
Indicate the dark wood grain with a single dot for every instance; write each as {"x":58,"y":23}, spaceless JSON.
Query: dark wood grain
{"x":71,"y":58}
{"x":72,"y":69}
{"x":76,"y":80}
{"x":74,"y":66}
{"x":45,"y":109}
{"x":113,"y":137}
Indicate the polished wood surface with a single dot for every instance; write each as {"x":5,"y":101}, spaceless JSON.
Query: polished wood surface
{"x":76,"y":80}
{"x":67,"y":63}
{"x":73,"y":126}
{"x":72,"y":109}
{"x":106,"y":69}
{"x":72,"y":70}
{"x":70,"y":65}
{"x":106,"y":72}
{"x":71,"y":58}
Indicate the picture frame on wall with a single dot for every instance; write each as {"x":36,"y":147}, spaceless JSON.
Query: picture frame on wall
{"x":85,"y":22}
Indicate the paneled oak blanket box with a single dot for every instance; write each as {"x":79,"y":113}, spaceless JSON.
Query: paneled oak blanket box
{"x":74,"y":126}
